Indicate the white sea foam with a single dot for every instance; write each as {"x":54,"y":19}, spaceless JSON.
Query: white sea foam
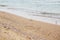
{"x":34,"y":9}
{"x":37,"y":18}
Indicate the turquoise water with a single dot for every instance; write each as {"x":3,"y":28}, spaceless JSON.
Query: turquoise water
{"x":39,"y":5}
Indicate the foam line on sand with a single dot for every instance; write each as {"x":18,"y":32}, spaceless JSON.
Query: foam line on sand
{"x":25,"y":15}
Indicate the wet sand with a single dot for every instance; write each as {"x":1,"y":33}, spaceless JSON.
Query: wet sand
{"x":14,"y":27}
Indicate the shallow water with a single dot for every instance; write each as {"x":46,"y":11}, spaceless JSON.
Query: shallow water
{"x":39,"y":5}
{"x":40,"y":10}
{"x":34,"y":7}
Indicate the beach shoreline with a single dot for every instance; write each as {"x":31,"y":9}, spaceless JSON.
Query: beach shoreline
{"x":37,"y":18}
{"x":20,"y":28}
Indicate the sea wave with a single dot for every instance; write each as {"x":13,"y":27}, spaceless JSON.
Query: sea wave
{"x":38,"y":5}
{"x":32,"y":14}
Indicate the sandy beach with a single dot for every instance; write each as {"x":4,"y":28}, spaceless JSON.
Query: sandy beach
{"x":14,"y":27}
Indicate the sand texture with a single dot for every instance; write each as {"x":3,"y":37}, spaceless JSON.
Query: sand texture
{"x":13,"y":27}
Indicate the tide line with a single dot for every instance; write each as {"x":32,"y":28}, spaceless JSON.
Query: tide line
{"x":37,"y":18}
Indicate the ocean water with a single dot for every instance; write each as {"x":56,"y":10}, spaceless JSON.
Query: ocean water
{"x":38,"y":5}
{"x":40,"y":10}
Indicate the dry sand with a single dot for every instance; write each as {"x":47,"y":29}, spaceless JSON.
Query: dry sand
{"x":13,"y":27}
